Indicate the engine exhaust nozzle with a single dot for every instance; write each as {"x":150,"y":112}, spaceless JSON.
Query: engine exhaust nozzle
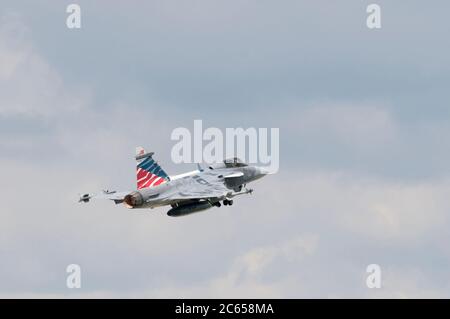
{"x":133,"y":200}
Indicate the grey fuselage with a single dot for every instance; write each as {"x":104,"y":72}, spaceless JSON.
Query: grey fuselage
{"x":190,"y":188}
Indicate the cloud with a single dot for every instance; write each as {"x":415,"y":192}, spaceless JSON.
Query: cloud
{"x":280,"y":242}
{"x":362,"y":125}
{"x":30,"y":86}
{"x":337,"y":204}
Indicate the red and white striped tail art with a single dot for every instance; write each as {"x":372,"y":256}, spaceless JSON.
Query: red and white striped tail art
{"x":148,"y":172}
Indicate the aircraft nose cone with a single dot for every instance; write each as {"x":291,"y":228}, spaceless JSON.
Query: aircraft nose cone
{"x":260,"y":172}
{"x":263,"y":171}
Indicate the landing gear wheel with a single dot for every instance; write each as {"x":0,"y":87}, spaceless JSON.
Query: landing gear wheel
{"x":227,"y":202}
{"x":218,"y":204}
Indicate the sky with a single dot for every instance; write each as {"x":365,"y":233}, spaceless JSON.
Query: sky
{"x":364,"y":124}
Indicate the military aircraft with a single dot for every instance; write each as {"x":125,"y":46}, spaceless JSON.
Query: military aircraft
{"x":187,"y":193}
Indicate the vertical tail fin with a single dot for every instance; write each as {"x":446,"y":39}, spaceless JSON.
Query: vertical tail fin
{"x":148,"y":172}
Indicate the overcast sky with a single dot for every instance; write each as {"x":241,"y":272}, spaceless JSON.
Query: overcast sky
{"x":364,"y":119}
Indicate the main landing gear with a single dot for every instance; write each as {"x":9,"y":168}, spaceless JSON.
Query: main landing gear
{"x":228,"y":202}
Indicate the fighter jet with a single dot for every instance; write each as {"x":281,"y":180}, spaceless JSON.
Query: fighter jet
{"x":187,"y":193}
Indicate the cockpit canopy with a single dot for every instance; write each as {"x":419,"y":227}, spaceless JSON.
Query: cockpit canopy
{"x":229,"y":163}
{"x":234,"y":162}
